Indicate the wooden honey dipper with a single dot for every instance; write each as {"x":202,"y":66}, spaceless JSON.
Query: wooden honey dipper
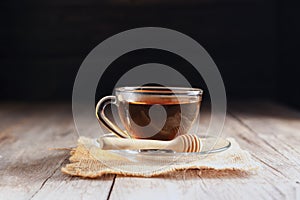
{"x":183,"y":143}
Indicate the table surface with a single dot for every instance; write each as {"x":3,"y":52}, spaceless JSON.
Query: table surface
{"x":29,"y":170}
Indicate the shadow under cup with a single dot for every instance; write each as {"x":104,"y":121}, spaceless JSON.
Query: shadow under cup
{"x":158,"y":113}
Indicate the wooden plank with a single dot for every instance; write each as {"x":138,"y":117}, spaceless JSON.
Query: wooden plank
{"x":60,"y":186}
{"x":278,"y":128}
{"x":26,"y":163}
{"x":193,"y":185}
{"x":274,"y":181}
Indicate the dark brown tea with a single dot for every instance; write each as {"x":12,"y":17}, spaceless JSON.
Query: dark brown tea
{"x":167,"y":119}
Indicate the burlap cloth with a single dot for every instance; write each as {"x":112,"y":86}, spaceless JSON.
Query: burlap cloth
{"x":87,"y":160}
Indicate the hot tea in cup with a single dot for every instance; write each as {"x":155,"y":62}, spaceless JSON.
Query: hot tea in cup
{"x":159,"y":113}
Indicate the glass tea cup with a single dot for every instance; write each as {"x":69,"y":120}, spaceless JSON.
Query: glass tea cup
{"x":152,"y":112}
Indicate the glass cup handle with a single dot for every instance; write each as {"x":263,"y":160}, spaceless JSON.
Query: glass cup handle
{"x":100,"y":114}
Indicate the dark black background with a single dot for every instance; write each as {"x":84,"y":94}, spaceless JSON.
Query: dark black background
{"x":255,"y":43}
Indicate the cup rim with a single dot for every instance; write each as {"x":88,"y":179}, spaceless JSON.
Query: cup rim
{"x":156,"y":90}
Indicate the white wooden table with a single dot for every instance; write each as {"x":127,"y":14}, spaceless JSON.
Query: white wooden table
{"x":28,"y":170}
